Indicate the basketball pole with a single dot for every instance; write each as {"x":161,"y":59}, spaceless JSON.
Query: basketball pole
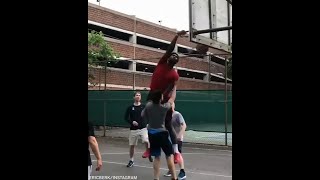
{"x":104,"y":103}
{"x":105,"y":75}
{"x":229,"y":2}
{"x":104,"y":118}
{"x":134,"y":53}
{"x":226,"y":69}
{"x":225,"y":102}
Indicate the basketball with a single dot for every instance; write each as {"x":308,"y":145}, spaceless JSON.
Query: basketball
{"x":202,"y":49}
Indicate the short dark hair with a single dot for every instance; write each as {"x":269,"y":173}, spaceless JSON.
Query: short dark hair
{"x":135,"y":93}
{"x":156,"y":96}
{"x":176,"y":54}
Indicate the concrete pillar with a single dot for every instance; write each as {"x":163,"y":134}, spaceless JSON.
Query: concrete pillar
{"x":207,"y":77}
{"x":133,"y":38}
{"x":175,"y":49}
{"x":132,"y":66}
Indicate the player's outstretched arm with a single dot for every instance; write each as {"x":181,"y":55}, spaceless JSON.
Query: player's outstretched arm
{"x":171,"y":46}
{"x":95,"y":149}
{"x":173,"y":94}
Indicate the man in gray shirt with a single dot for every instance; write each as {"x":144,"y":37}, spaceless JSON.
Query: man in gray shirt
{"x":154,"y":115}
{"x":179,"y":125}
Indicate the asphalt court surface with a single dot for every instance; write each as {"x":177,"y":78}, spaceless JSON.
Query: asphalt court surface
{"x":200,"y":163}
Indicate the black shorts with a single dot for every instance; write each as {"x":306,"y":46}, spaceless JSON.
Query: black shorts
{"x":158,"y":141}
{"x":180,"y":146}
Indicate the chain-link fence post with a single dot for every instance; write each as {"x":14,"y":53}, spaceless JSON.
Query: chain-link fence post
{"x":225,"y":101}
{"x":104,"y":102}
{"x":99,"y":77}
{"x":105,"y":75}
{"x":104,"y":118}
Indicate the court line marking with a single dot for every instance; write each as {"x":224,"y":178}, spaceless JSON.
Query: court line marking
{"x":120,"y":153}
{"x":209,"y":149}
{"x":166,"y":169}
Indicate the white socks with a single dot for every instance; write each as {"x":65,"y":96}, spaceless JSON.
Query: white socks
{"x":131,"y":159}
{"x":175,"y":148}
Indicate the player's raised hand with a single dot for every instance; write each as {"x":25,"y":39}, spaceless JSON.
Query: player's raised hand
{"x":181,"y":33}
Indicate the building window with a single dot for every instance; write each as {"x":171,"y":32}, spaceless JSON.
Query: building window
{"x":145,"y":67}
{"x":219,"y":79}
{"x":218,"y":60}
{"x":121,"y":64}
{"x":191,"y":74}
{"x":183,"y":50}
{"x":152,"y":43}
{"x":110,"y":32}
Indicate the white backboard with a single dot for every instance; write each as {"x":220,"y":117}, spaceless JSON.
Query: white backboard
{"x":208,"y":14}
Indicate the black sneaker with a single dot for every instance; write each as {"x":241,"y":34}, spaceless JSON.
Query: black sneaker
{"x":182,"y":175}
{"x":130,"y":164}
{"x":150,"y":159}
{"x":168,"y":174}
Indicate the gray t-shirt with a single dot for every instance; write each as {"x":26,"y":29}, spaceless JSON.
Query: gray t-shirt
{"x":155,"y":115}
{"x":177,"y":121}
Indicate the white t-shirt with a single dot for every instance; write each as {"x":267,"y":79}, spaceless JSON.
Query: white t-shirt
{"x":177,"y":121}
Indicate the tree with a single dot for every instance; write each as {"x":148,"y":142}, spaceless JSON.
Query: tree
{"x":99,"y":52}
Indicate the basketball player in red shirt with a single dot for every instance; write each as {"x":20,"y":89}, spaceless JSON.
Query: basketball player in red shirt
{"x":165,"y":78}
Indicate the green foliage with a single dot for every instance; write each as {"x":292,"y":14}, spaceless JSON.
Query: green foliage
{"x":99,"y":51}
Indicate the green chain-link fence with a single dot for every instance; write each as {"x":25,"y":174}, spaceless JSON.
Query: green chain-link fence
{"x":203,"y":111}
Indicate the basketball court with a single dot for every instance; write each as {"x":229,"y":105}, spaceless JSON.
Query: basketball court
{"x":200,"y":163}
{"x":209,"y":25}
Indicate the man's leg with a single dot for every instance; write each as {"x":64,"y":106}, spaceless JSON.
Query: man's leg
{"x":145,"y":139}
{"x":166,"y":146}
{"x":156,"y":167}
{"x":171,"y":167}
{"x":131,"y":152}
{"x":173,"y":137}
{"x":155,"y":150}
{"x":182,"y":173}
{"x":133,"y":141}
{"x":89,"y":172}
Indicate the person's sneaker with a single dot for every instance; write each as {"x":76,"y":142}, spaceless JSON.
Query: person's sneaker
{"x":150,"y":159}
{"x":168,"y":174}
{"x":182,"y":175}
{"x":130,"y":164}
{"x":177,"y":158}
{"x":146,"y":154}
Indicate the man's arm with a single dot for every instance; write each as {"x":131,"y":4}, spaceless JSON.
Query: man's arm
{"x":173,"y":95}
{"x":171,"y":47}
{"x":94,"y":145}
{"x":169,"y":89}
{"x":95,"y":149}
{"x":183,"y":125}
